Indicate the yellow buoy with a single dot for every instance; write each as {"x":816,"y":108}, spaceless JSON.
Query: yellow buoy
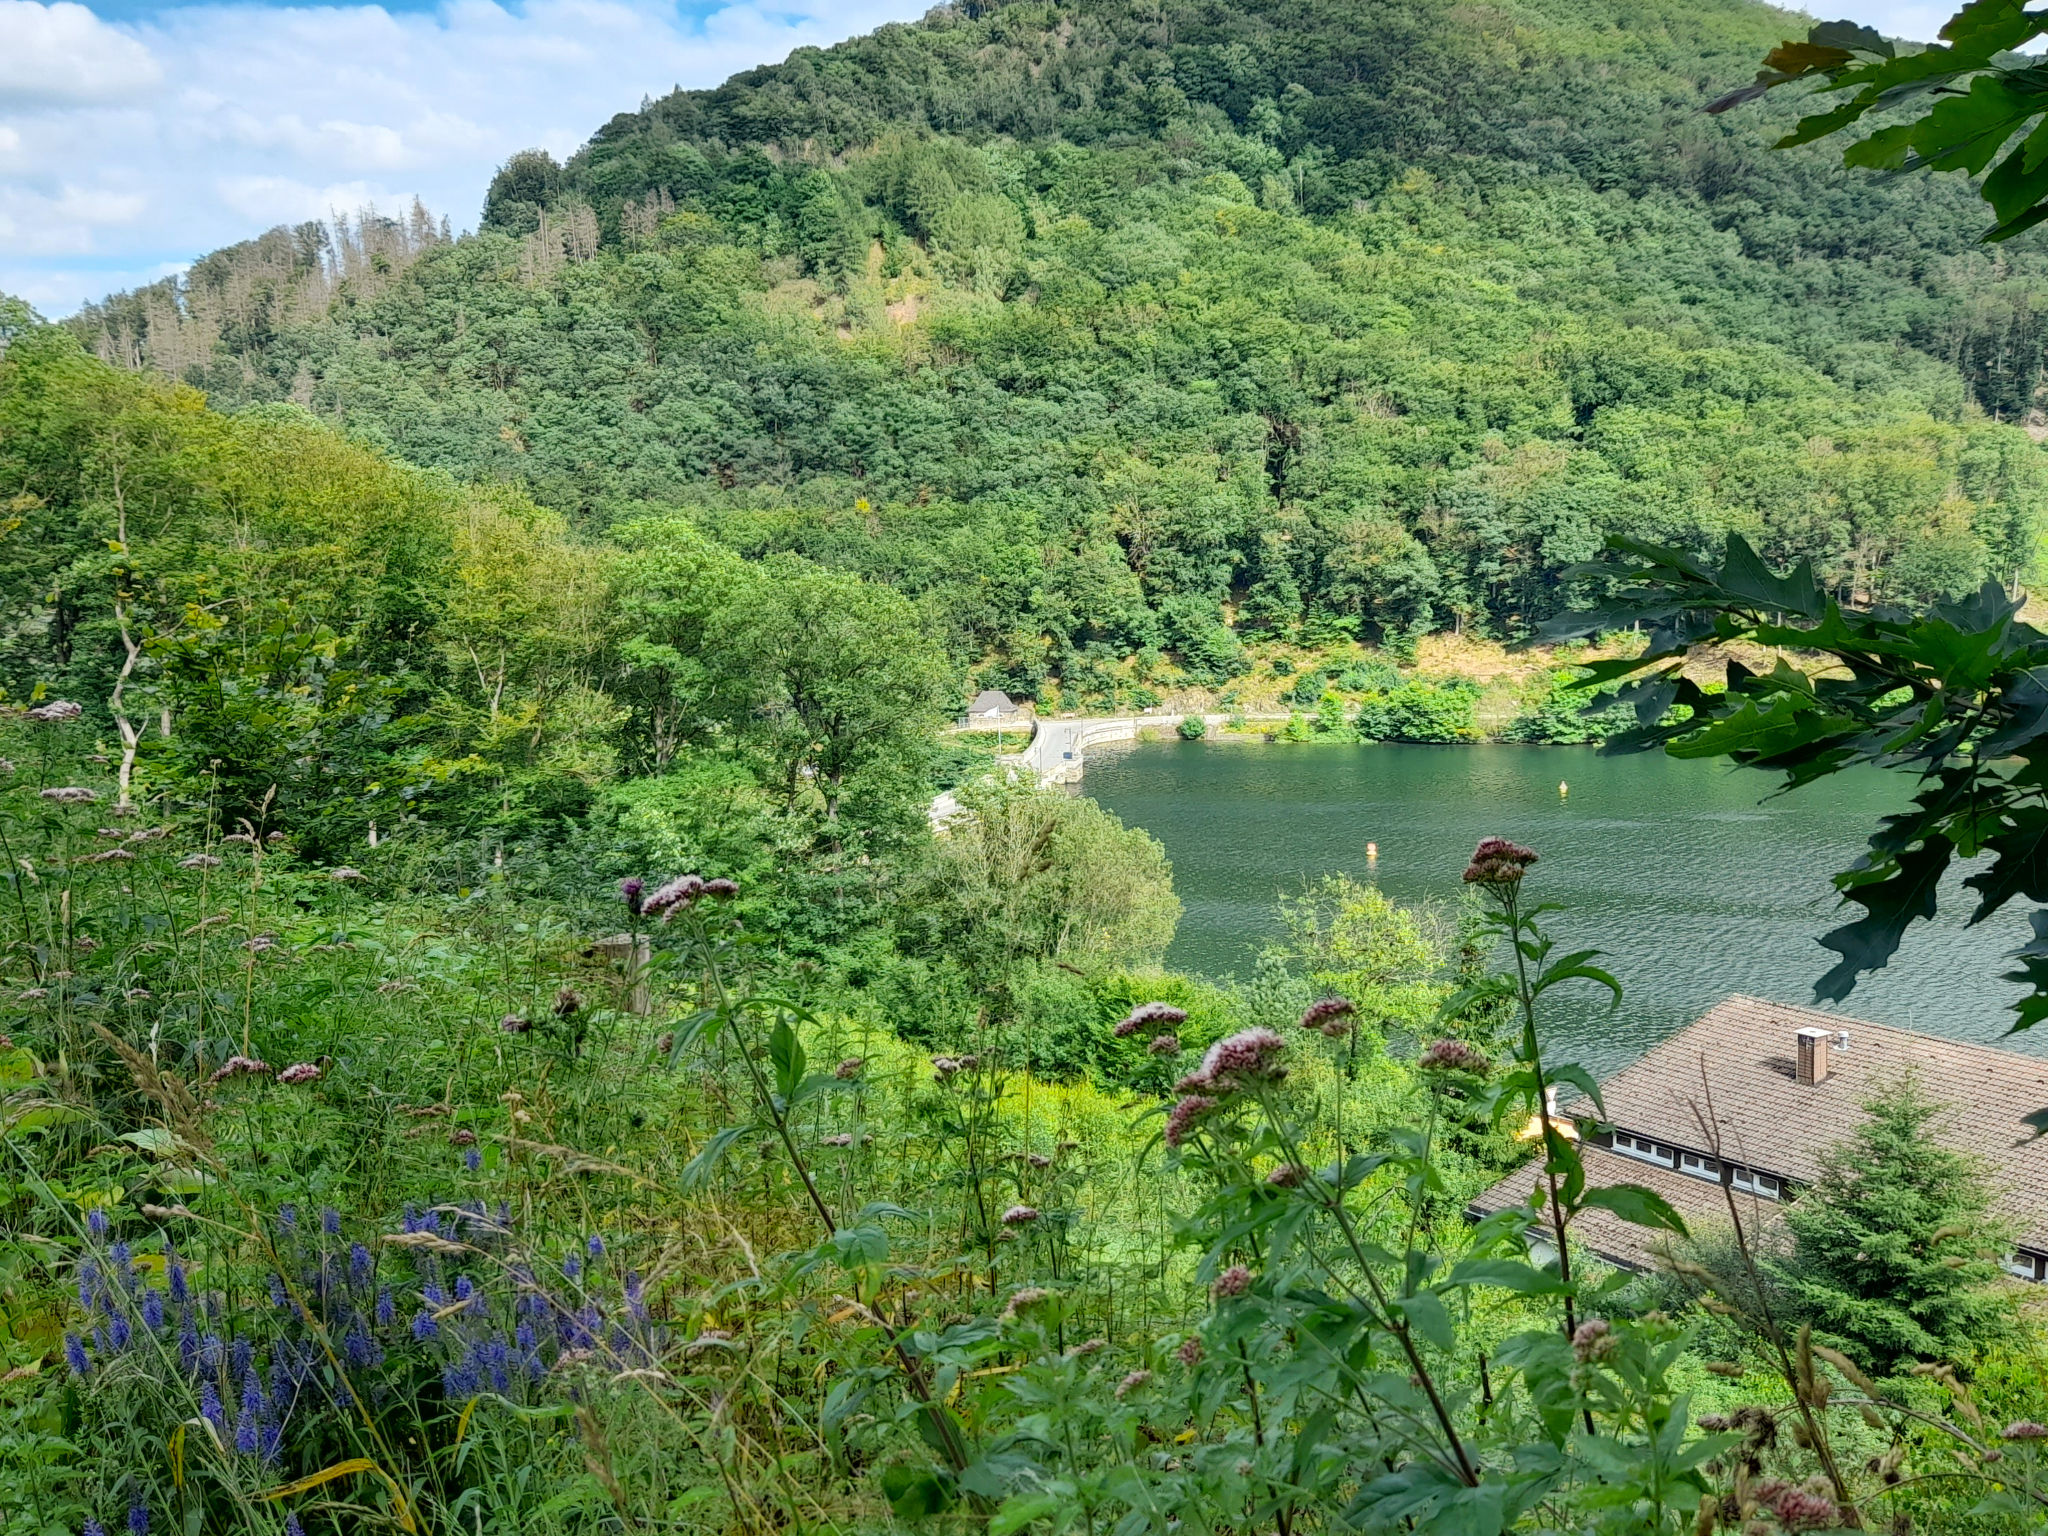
{"x":1563,"y":789}
{"x":1372,"y":853}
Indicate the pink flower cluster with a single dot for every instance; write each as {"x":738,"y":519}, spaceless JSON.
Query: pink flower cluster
{"x":1148,"y":1016}
{"x":299,"y":1072}
{"x":1185,"y":1116}
{"x":1594,"y":1340}
{"x":1020,"y":1215}
{"x":1797,"y":1509}
{"x":239,"y":1066}
{"x":679,"y":895}
{"x":1236,"y":1062}
{"x":1331,"y":1017}
{"x":1454,"y":1056}
{"x":1164,"y":1045}
{"x":1234,"y":1281}
{"x":1498,"y":862}
{"x":1230,"y":1065}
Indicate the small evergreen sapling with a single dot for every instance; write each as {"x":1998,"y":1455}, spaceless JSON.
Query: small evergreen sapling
{"x":1894,"y":1249}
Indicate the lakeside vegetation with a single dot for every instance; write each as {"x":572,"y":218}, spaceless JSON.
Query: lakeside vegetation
{"x":491,"y":1041}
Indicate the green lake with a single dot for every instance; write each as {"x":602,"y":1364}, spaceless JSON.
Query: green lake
{"x":1693,"y":884}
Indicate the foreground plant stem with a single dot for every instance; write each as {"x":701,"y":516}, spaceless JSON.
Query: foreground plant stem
{"x":764,"y":1095}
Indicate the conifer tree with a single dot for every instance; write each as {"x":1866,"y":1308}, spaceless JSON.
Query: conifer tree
{"x":1892,"y":1258}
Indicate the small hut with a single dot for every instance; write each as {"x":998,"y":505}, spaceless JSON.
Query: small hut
{"x":993,"y":707}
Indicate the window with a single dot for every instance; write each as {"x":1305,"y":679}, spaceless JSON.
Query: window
{"x":1768,"y":1185}
{"x":2028,"y":1266}
{"x":1644,"y":1150}
{"x":1699,"y":1166}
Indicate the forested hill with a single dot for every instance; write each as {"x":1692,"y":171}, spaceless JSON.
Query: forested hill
{"x":1121,"y":327}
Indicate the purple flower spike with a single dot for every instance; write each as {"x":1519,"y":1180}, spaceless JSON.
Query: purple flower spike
{"x":96,"y":1222}
{"x":92,"y":1527}
{"x":423,"y":1325}
{"x":330,"y":1221}
{"x":472,"y":1159}
{"x":153,"y":1310}
{"x":596,"y":1246}
{"x":138,"y":1519}
{"x":74,"y":1355}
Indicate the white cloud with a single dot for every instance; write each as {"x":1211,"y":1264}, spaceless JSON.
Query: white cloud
{"x":1918,"y":21}
{"x":64,"y":53}
{"x":128,"y":149}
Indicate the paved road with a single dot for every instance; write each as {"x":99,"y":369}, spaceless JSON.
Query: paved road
{"x":1058,"y":747}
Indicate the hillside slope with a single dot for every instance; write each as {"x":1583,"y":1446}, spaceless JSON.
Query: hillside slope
{"x":1107,"y":329}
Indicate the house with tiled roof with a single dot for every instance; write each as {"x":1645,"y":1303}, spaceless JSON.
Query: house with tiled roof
{"x":1745,"y":1099}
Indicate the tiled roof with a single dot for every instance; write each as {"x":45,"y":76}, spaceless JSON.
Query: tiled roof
{"x":1621,"y":1242}
{"x":1769,"y":1122}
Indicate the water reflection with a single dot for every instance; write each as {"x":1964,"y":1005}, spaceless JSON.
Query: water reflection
{"x":1694,"y":885}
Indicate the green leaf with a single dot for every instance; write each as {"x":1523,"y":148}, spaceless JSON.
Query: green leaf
{"x":1745,"y":575}
{"x":700,"y":1169}
{"x":183,"y":1181}
{"x":861,"y":1247}
{"x":1884,"y":150}
{"x":786,"y":1055}
{"x":1986,"y":27}
{"x":1425,"y":1310}
{"x":1892,"y":904}
{"x":1963,"y":133}
{"x":45,"y":1117}
{"x":1507,"y":1275}
{"x":1821,"y":124}
{"x":2019,"y":865}
{"x":1635,"y":1204}
{"x":1850,"y":34}
{"x":1019,"y":1510}
{"x":1571,"y":1072}
{"x":917,"y":1492}
{"x":153,"y":1139}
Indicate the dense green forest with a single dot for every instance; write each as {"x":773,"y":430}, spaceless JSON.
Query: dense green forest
{"x":1109,"y":330}
{"x":491,"y":1039}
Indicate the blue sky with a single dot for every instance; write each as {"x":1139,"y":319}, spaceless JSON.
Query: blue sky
{"x":136,"y":135}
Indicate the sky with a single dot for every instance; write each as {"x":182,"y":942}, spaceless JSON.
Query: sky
{"x":136,"y":135}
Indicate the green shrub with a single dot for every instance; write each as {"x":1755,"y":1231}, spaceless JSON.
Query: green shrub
{"x":1423,"y":711}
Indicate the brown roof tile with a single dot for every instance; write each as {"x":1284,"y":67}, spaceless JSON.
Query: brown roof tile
{"x":1701,"y":1203}
{"x":1768,"y":1121}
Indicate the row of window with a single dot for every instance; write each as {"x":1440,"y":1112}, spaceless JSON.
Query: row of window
{"x":1698,"y":1165}
{"x":2028,"y":1266}
{"x":2024,"y":1264}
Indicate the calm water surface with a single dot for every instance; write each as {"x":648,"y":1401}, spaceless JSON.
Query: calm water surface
{"x":1693,"y":885}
